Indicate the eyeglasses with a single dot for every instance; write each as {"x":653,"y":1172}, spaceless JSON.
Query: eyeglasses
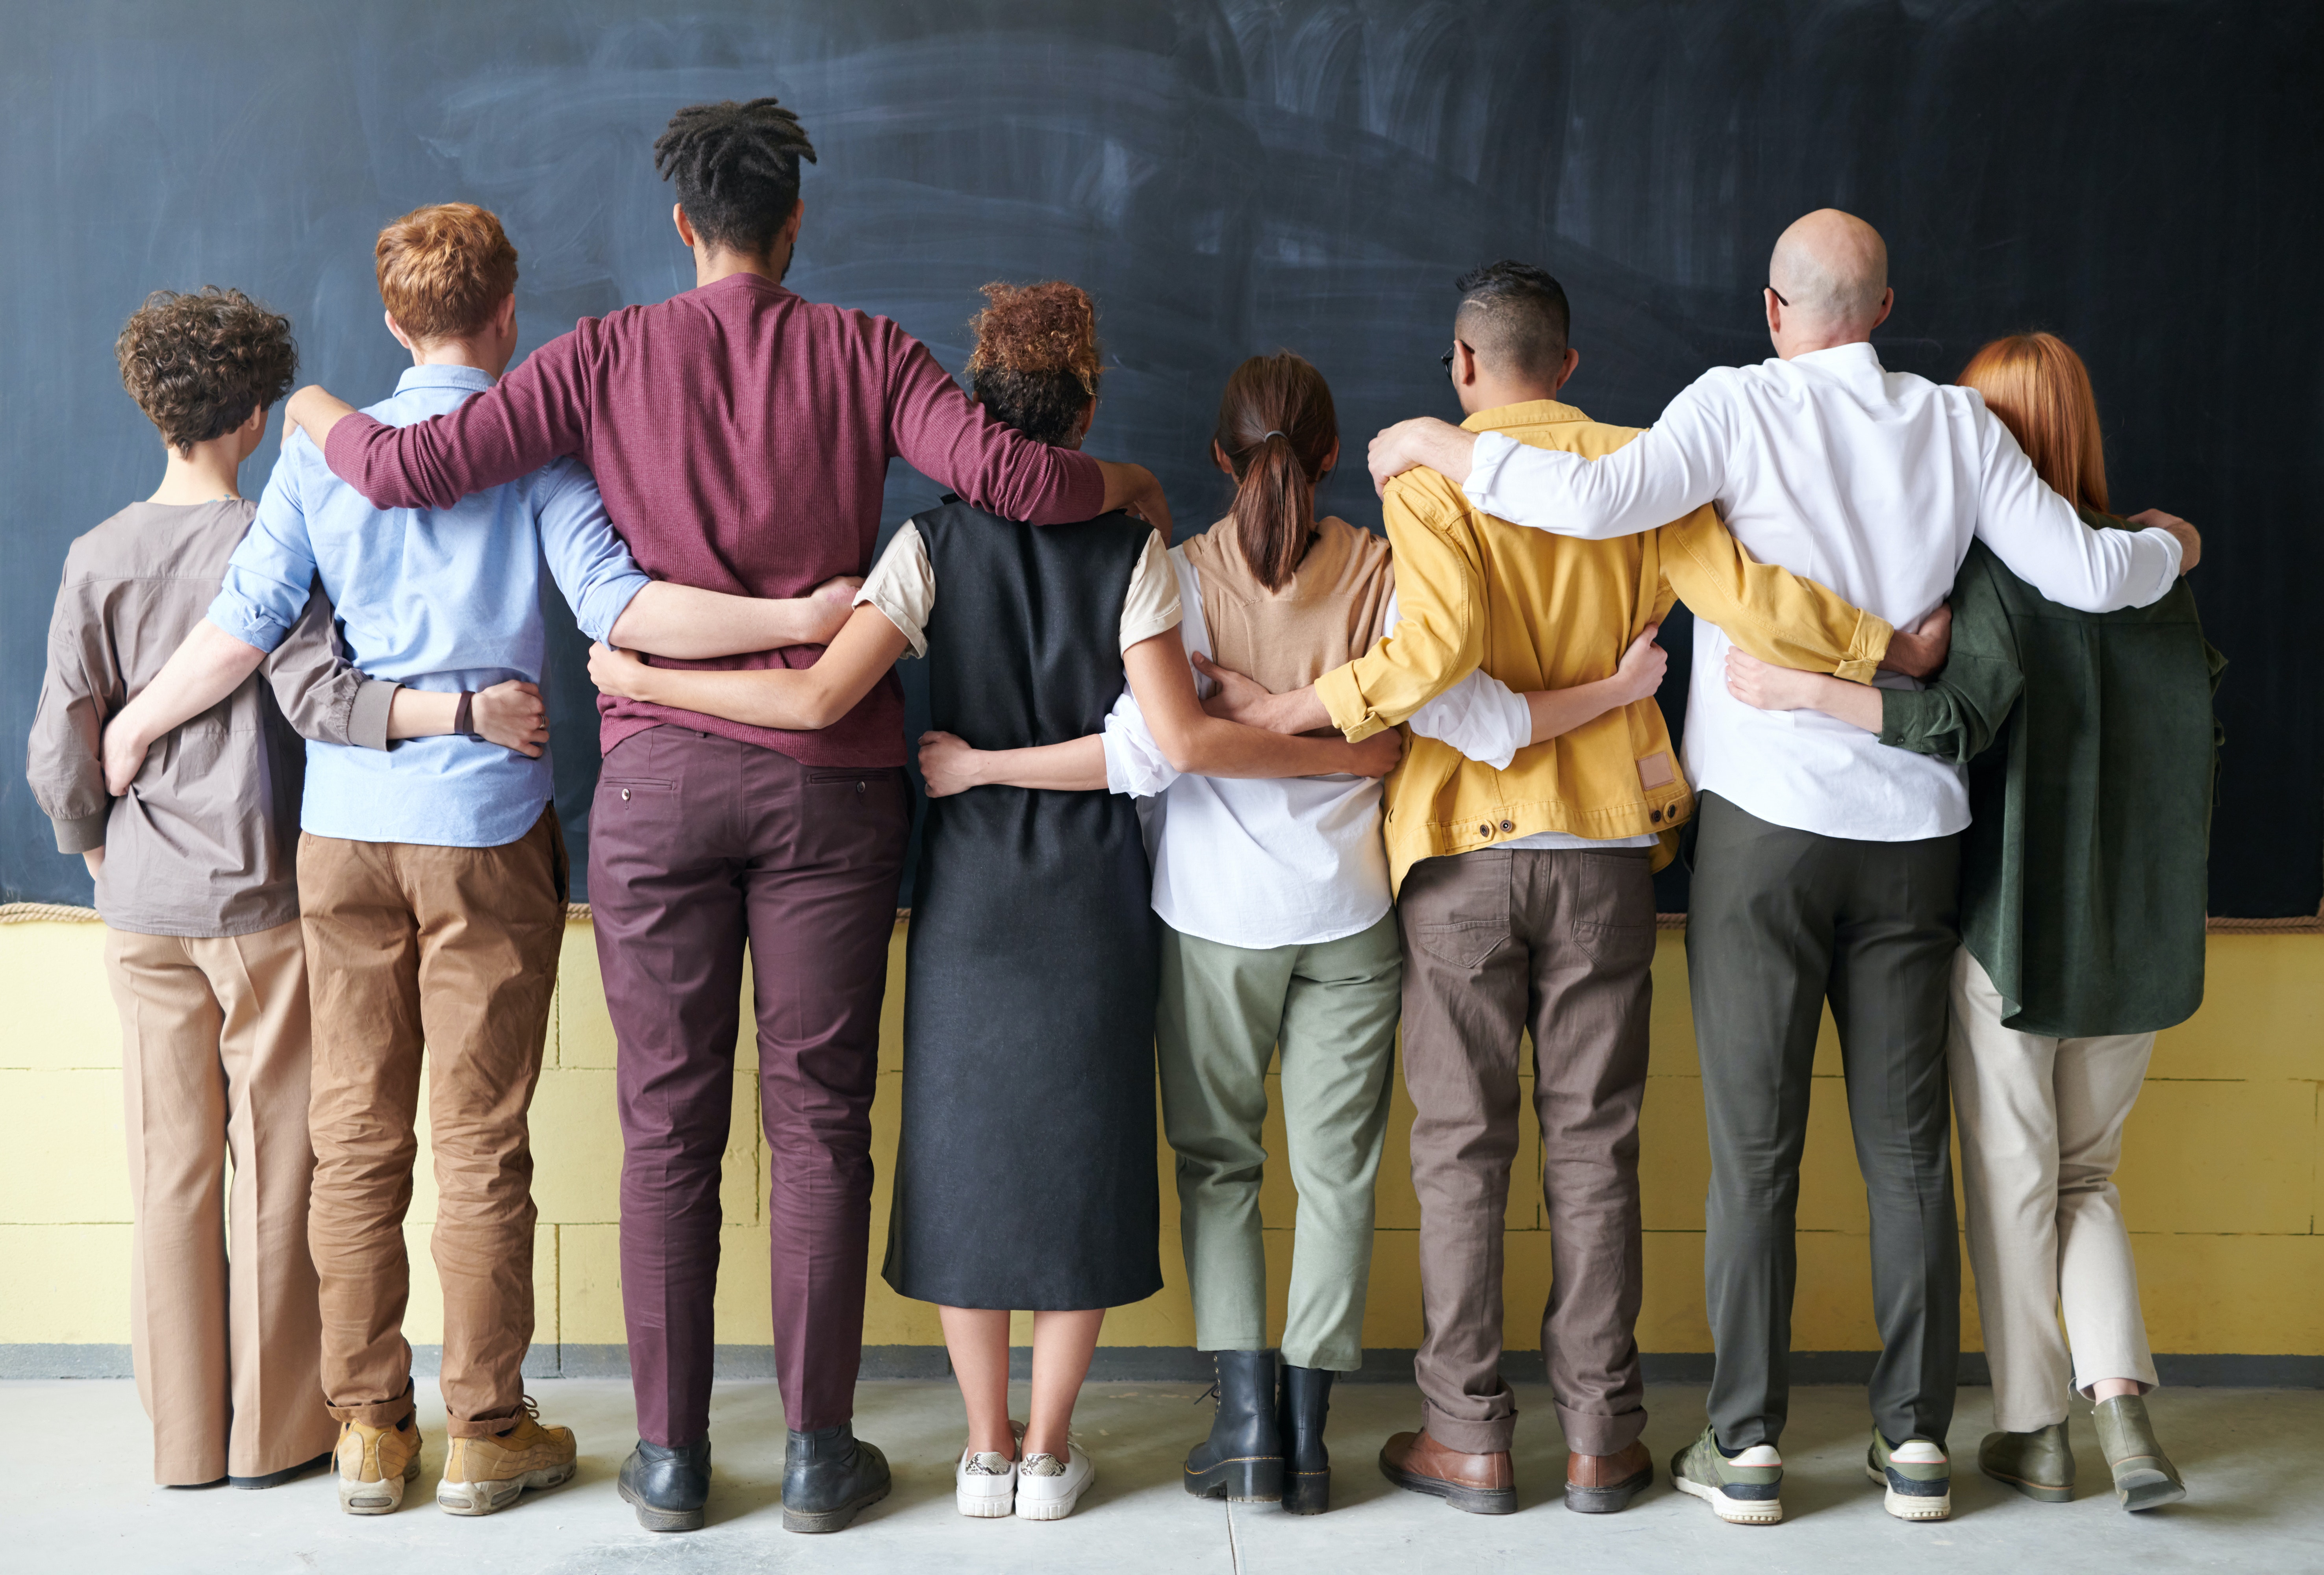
{"x":1445,"y":360}
{"x":1778,"y":295}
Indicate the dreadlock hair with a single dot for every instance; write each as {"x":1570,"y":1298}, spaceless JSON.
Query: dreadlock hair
{"x":736,"y":167}
{"x":1276,"y":429}
{"x":198,"y":364}
{"x":1036,"y":363}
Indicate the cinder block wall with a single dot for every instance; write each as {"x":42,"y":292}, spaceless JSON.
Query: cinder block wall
{"x":2221,"y":1179}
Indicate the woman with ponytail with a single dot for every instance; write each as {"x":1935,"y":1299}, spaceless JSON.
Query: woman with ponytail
{"x":1025,"y":1174}
{"x":2090,"y":746}
{"x":1277,"y":932}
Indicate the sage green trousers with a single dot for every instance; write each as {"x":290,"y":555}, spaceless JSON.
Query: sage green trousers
{"x":1332,"y":1009}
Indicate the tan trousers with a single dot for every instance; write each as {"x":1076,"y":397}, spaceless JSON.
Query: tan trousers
{"x":2040,"y":1132}
{"x":454,"y":949}
{"x":1498,"y":943}
{"x":223,"y":1328}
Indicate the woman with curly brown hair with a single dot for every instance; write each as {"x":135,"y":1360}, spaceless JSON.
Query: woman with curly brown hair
{"x":1025,"y":1175}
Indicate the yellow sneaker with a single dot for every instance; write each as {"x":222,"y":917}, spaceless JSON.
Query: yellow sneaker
{"x":373,"y":1463}
{"x":482,"y":1475}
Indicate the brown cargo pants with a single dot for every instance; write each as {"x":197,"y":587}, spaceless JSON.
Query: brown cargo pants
{"x":455,"y":950}
{"x":1561,"y":943}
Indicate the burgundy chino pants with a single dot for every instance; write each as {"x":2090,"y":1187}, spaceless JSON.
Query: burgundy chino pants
{"x":696,"y":845}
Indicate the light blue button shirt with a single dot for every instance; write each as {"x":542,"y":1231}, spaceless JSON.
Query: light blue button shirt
{"x":433,"y":599}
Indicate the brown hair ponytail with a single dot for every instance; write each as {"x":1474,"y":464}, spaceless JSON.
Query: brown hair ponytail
{"x":1276,"y":429}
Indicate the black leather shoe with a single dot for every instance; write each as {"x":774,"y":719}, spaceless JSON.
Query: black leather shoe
{"x":1242,"y":1460}
{"x":830,"y":1475}
{"x":287,"y":1474}
{"x":1299,"y":1419}
{"x":668,"y":1485}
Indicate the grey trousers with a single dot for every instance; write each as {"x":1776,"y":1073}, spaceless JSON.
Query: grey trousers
{"x":1778,"y":921}
{"x":1560,"y":943}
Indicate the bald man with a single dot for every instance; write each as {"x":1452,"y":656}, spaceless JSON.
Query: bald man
{"x":1824,"y":865}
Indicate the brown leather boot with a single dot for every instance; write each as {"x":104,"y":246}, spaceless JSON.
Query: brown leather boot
{"x":1480,"y":1484}
{"x":1603,"y":1484}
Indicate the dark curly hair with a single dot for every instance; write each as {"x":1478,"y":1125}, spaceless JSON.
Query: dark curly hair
{"x":199,"y":364}
{"x":1036,"y":363}
{"x":737,"y":167}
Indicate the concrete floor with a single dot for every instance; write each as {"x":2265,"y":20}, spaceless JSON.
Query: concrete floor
{"x":74,"y":1498}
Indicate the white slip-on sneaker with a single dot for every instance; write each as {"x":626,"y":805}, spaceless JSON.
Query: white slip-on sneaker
{"x":1047,"y":1488}
{"x":985,"y":1483}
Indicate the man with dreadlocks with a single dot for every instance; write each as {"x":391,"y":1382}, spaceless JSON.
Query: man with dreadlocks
{"x":740,"y":435}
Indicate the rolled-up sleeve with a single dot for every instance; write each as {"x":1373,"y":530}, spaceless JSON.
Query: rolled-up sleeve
{"x":590,"y":565}
{"x":271,"y":574}
{"x":1963,"y":709}
{"x":1775,"y":614}
{"x":1135,"y":764}
{"x":1439,"y":638}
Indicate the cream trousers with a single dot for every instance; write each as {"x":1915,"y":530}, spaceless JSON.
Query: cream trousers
{"x":2040,"y":1132}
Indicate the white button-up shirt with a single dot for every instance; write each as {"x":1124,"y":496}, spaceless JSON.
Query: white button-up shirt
{"x":1870,"y":480}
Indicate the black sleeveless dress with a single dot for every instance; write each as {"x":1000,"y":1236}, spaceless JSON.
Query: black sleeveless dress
{"x":1026,"y":1173}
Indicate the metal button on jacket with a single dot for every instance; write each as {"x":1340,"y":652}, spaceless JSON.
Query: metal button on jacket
{"x":1508,"y":825}
{"x":1484,"y":831}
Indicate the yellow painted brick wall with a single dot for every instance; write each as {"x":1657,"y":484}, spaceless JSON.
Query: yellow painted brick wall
{"x":2221,"y":1178}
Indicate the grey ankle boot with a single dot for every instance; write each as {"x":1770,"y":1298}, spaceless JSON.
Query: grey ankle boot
{"x":2143,"y":1476}
{"x":2039,"y":1464}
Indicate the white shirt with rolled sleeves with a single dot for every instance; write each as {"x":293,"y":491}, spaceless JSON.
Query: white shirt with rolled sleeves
{"x":1293,"y":861}
{"x":1872,"y":482}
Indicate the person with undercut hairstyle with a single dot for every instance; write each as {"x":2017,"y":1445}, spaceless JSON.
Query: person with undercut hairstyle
{"x":1522,"y":832}
{"x":740,"y":434}
{"x":1825,"y":865}
{"x":432,"y":877}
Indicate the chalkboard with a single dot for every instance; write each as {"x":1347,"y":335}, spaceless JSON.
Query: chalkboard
{"x":1228,"y":178}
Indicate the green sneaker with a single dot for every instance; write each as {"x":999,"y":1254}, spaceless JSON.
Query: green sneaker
{"x":2038,"y":1464}
{"x":2143,"y":1476}
{"x":1916,"y":1474}
{"x":1743,"y":1490}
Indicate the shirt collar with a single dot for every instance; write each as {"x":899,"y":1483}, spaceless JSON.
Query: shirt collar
{"x":474,"y":378}
{"x":1842,"y":359}
{"x":1524,"y":413}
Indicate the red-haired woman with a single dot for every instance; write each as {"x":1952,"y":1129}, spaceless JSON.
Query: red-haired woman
{"x":1025,"y":1176}
{"x":2090,"y":745}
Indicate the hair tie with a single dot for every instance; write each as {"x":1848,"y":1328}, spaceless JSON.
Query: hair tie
{"x":1277,"y":432}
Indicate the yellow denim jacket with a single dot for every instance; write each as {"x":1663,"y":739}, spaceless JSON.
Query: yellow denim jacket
{"x":1544,"y":611}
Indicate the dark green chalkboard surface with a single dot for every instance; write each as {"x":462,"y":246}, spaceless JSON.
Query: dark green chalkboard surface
{"x":1227,"y":178}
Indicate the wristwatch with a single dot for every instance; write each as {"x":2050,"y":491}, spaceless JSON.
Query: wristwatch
{"x":462,"y":718}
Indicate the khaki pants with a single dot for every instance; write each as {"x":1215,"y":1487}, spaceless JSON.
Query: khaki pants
{"x":1562,"y":943}
{"x":2040,"y":1132}
{"x":223,"y":1326}
{"x":1222,"y":1011}
{"x":453,"y":949}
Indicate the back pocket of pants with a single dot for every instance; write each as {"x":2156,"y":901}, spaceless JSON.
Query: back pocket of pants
{"x":1463,"y":942}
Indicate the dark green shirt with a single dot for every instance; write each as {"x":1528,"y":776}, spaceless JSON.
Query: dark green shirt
{"x":2091,"y":748}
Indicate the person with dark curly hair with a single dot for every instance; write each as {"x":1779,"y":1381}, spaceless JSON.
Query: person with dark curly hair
{"x":193,"y":866}
{"x":741,"y":435}
{"x":1025,"y":1172}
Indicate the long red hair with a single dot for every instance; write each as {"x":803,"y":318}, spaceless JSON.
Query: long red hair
{"x":2041,"y":391}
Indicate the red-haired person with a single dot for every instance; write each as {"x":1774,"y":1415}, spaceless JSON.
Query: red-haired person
{"x":431,"y":876}
{"x":2090,"y":744}
{"x":1025,"y":1172}
{"x":741,"y":433}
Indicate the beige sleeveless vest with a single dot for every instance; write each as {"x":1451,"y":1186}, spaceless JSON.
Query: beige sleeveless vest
{"x":1326,"y":614}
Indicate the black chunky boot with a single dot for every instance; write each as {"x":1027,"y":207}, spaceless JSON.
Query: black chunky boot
{"x":1306,"y":1463}
{"x":828,"y":1476}
{"x":1242,"y":1460}
{"x":666,"y":1486}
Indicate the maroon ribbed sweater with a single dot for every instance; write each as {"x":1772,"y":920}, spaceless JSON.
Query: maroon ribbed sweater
{"x":740,"y":436}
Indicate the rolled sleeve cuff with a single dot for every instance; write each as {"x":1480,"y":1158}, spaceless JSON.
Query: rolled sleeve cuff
{"x":914,"y":635}
{"x":82,"y":835}
{"x":1350,"y":713}
{"x":1866,"y":651}
{"x":367,"y":718}
{"x":602,"y":607}
{"x":1485,"y":461}
{"x":248,"y":622}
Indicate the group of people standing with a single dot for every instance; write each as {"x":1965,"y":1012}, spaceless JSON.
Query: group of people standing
{"x":1267,"y":794}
